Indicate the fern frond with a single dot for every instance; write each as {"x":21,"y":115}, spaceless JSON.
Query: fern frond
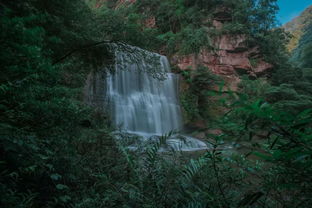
{"x":194,"y":167}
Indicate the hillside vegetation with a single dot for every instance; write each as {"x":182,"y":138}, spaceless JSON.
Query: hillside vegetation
{"x":301,"y":41}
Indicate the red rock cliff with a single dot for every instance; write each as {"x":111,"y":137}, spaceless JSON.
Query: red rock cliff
{"x":230,"y":58}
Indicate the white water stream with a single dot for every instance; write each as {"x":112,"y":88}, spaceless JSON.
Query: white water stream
{"x":143,"y":105}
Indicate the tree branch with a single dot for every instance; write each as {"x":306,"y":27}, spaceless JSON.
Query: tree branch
{"x":79,"y":49}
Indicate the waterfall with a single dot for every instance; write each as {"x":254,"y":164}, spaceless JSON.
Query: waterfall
{"x":140,"y":103}
{"x":141,"y":94}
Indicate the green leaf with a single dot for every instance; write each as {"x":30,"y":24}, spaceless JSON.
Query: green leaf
{"x":55,"y":176}
{"x":61,"y":187}
{"x":65,"y":198}
{"x":263,"y":156}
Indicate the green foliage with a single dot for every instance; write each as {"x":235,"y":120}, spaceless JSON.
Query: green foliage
{"x":273,"y":124}
{"x":286,"y":145}
{"x":189,"y":103}
{"x":291,"y":90}
{"x":124,"y":26}
{"x":253,"y":90}
{"x":273,"y":46}
{"x":42,"y":116}
{"x":172,"y":180}
{"x":186,"y":26}
{"x":301,"y":41}
{"x":195,"y":99}
{"x":56,"y":152}
{"x":302,"y":55}
{"x":192,"y":40}
{"x":307,"y":56}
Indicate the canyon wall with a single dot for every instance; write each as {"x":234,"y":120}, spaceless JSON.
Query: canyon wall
{"x":230,"y":58}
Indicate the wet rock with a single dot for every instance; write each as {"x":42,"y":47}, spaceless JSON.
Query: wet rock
{"x":214,"y":132}
{"x":175,"y":142}
{"x":200,"y":135}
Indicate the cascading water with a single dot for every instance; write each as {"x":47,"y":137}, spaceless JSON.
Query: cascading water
{"x":143,"y":105}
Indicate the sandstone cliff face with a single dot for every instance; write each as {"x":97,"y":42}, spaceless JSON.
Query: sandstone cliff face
{"x":230,"y":59}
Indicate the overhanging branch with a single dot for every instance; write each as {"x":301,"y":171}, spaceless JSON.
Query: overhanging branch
{"x":80,"y":49}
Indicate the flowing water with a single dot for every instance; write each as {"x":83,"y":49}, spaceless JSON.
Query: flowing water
{"x":143,"y":105}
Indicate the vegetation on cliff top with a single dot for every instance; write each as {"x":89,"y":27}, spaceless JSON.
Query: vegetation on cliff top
{"x":297,"y":27}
